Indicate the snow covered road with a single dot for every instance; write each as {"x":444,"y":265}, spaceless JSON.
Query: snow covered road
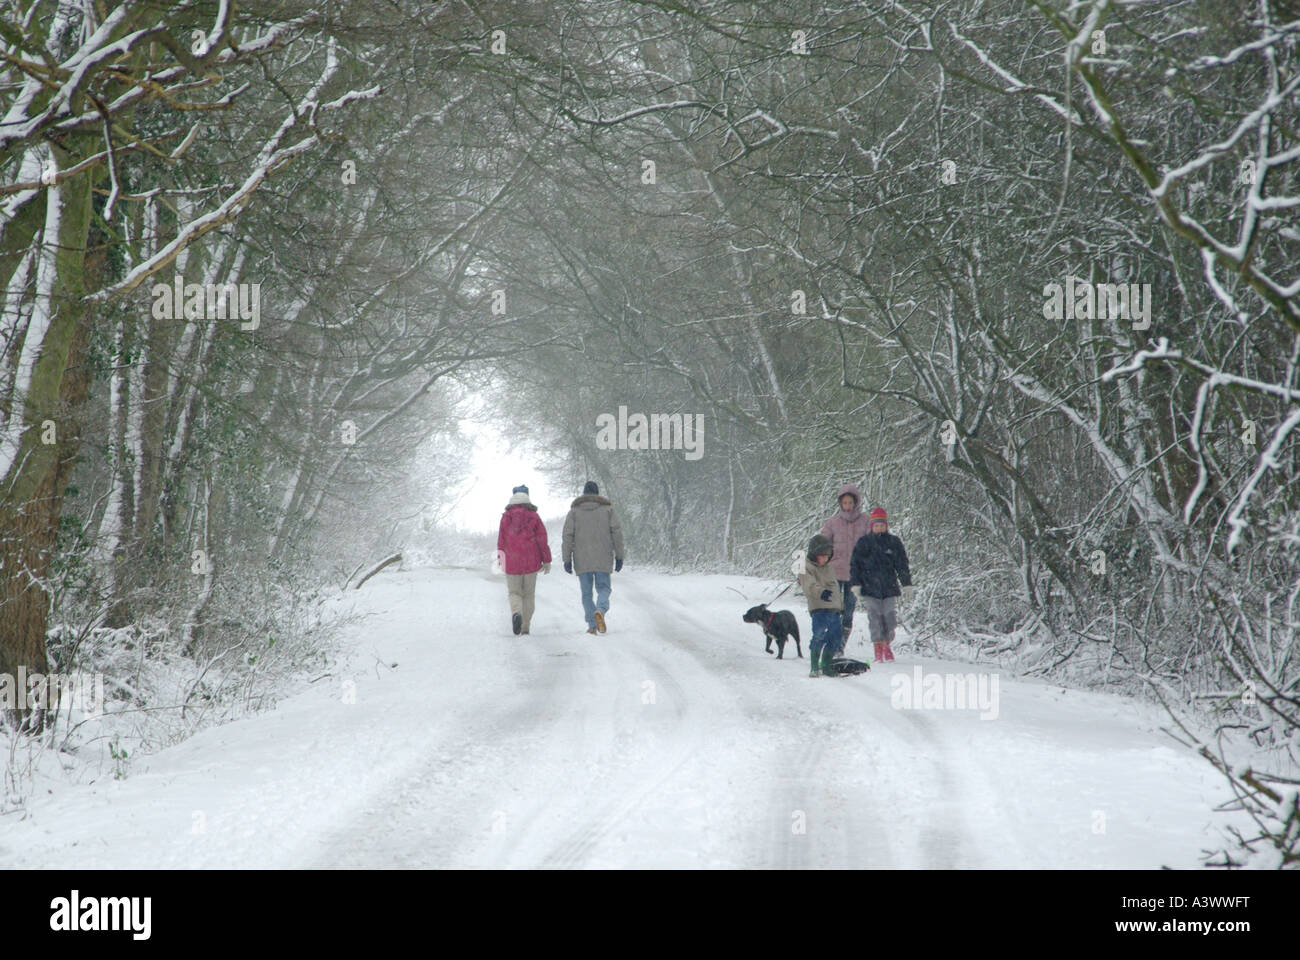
{"x":671,"y":741}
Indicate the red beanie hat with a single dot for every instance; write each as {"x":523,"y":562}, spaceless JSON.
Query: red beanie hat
{"x":878,"y":514}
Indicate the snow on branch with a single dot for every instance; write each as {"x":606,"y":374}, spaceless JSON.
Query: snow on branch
{"x":1268,"y":40}
{"x":387,"y":561}
{"x":98,"y":55}
{"x":270,"y":159}
{"x":1216,"y":150}
{"x":1268,"y":461}
{"x":1162,"y":351}
{"x":1015,"y":85}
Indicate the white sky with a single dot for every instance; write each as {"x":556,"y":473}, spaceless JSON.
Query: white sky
{"x":495,"y":470}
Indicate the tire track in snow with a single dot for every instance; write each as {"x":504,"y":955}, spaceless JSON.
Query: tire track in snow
{"x":656,"y":799}
{"x":968,"y":826}
{"x":612,"y":813}
{"x":575,"y":765}
{"x":882,"y":824}
{"x":799,"y":769}
{"x":440,"y":809}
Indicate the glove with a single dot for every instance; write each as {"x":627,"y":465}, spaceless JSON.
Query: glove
{"x":826,"y":595}
{"x":907,"y":592}
{"x":546,"y":568}
{"x":856,"y":591}
{"x":618,"y":564}
{"x":568,"y":566}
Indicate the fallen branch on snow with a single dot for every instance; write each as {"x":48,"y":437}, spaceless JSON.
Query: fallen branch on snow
{"x":395,"y":558}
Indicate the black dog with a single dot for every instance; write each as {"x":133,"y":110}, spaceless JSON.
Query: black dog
{"x":778,"y":625}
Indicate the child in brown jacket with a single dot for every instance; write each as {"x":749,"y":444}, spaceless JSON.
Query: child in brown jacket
{"x":824,"y":605}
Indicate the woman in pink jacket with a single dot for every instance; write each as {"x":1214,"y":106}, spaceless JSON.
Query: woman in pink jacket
{"x":843,"y":530}
{"x":521,"y":545}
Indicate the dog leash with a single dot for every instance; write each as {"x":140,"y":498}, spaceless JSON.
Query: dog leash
{"x":778,"y":596}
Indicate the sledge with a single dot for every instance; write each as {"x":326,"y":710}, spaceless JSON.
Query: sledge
{"x":847,"y":667}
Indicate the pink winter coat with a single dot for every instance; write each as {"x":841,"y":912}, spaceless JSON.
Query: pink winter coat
{"x":843,"y":531}
{"x":522,"y":537}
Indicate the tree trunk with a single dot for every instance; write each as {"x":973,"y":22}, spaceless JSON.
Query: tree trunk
{"x":50,"y":380}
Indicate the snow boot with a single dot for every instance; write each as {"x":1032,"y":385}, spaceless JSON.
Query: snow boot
{"x":600,"y":622}
{"x":889,"y":654}
{"x":816,"y":669}
{"x":877,"y":656}
{"x":828,"y":665}
{"x":591,"y":629}
{"x":517,"y":623}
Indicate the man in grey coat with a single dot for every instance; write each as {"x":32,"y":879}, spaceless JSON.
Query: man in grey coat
{"x":592,"y":545}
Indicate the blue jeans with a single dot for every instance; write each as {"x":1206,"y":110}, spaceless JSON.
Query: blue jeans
{"x":850,"y":604}
{"x":601,"y":581}
{"x":826,"y":632}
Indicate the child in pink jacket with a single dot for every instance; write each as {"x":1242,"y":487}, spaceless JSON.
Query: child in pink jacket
{"x":843,"y":530}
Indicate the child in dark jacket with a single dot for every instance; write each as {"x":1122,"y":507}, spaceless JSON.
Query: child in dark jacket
{"x":824,"y":605}
{"x":878,"y":566}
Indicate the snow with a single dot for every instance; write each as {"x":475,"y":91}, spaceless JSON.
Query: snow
{"x":670,"y":741}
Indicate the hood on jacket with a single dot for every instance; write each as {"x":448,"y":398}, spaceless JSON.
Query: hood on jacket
{"x":520,"y":500}
{"x":590,"y":498}
{"x":857,"y":499}
{"x":819,"y":545}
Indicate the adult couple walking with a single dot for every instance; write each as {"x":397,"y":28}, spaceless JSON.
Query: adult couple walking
{"x":592,"y":545}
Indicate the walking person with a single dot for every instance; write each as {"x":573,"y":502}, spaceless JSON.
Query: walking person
{"x":877,"y":568}
{"x":593,"y":547}
{"x":823,"y":594}
{"x":844,"y":529}
{"x":521,"y":543}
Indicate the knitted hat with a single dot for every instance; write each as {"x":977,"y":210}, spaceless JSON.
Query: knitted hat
{"x":591,"y":487}
{"x":878,"y":515}
{"x":520,"y":489}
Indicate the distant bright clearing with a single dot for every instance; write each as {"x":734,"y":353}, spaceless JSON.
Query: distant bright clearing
{"x":495,"y":470}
